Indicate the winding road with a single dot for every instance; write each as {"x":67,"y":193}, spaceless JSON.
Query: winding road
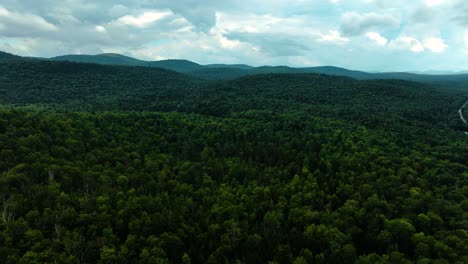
{"x":460,"y":112}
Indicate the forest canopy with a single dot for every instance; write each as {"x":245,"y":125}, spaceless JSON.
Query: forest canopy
{"x":109,"y":164}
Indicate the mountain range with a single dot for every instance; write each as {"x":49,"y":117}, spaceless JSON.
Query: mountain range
{"x":233,"y":71}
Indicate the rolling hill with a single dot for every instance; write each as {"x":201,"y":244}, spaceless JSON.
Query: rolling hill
{"x":229,"y":72}
{"x":131,"y":164}
{"x":69,"y":85}
{"x":106,"y":59}
{"x":8,"y":57}
{"x":183,"y":66}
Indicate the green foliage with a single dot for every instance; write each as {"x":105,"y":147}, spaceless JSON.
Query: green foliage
{"x":165,"y":189}
{"x":262,"y":169}
{"x":7,"y":57}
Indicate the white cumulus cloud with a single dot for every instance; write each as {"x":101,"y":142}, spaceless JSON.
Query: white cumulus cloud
{"x":100,"y":29}
{"x":144,"y":19}
{"x":377,"y":38}
{"x":435,"y":44}
{"x":407,"y":43}
{"x":333,"y":36}
{"x":431,"y":3}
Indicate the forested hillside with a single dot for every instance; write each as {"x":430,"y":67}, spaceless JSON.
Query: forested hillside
{"x":210,"y":71}
{"x":106,"y":59}
{"x":234,"y":71}
{"x":79,"y":86}
{"x":115,"y":164}
{"x":7,"y":57}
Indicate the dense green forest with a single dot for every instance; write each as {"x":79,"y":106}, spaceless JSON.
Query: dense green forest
{"x":117,"y":164}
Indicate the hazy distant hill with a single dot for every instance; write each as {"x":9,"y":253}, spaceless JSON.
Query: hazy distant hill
{"x":4,"y":56}
{"x":235,"y":66}
{"x":330,"y":70}
{"x":106,"y":58}
{"x":436,"y":72}
{"x":233,"y":71}
{"x":229,"y":73}
{"x":215,"y":71}
{"x":176,"y":65}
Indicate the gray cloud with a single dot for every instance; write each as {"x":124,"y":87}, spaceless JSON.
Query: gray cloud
{"x":271,"y":43}
{"x":353,"y":24}
{"x":16,"y":24}
{"x":118,"y":11}
{"x":422,"y":14}
{"x":73,"y":33}
{"x":202,"y":14}
{"x":462,"y":17}
{"x":254,"y":32}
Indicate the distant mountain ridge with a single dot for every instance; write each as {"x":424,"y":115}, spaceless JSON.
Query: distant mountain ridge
{"x":5,"y":56}
{"x":438,"y":72}
{"x":230,"y":71}
{"x":106,"y":58}
{"x":233,"y":71}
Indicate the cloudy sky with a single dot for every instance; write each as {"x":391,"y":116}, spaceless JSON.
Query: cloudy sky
{"x":373,"y":35}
